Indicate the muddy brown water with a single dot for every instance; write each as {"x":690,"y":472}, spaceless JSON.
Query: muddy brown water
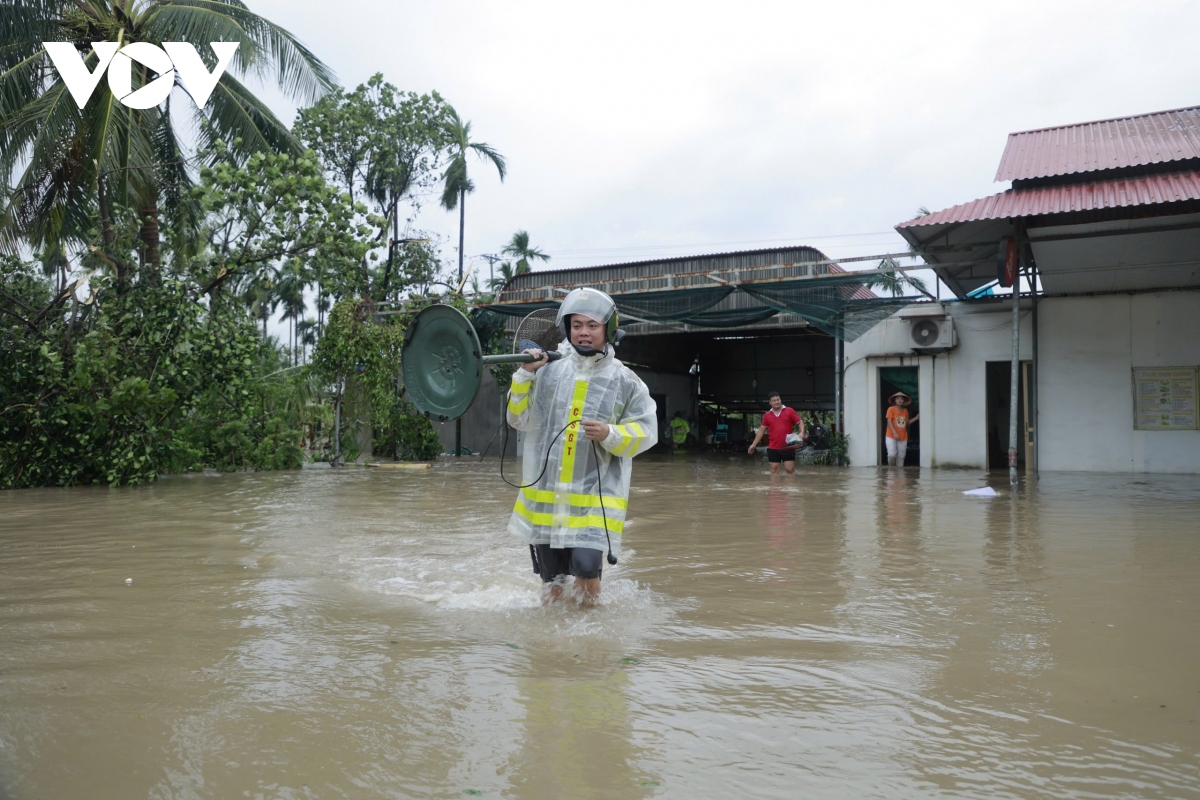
{"x":376,"y":634}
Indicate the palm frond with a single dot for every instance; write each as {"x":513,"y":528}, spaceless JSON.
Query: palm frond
{"x":265,"y":48}
{"x":24,"y":25}
{"x":234,"y":114}
{"x":489,"y":153}
{"x":456,"y":180}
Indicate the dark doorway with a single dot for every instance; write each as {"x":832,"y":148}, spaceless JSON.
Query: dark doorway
{"x":999,"y":385}
{"x":660,"y":400}
{"x":900,"y":379}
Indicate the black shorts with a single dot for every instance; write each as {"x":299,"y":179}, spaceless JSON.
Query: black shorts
{"x":582,"y":562}
{"x":775,"y":456}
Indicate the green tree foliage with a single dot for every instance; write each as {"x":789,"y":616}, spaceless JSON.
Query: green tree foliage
{"x":275,"y":208}
{"x":151,"y":376}
{"x":381,"y":146}
{"x":73,"y":167}
{"x":127,"y":385}
{"x":365,"y":351}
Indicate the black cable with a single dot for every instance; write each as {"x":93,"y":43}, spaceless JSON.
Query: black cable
{"x":546,"y":462}
{"x":611,"y":558}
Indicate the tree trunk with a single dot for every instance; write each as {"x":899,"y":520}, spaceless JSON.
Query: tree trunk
{"x":108,"y":237}
{"x":462,"y":226}
{"x":150,"y":238}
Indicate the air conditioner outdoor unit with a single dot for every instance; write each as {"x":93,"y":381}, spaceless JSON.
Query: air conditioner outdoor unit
{"x":932,"y":335}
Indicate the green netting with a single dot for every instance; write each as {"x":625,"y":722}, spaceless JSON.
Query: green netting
{"x":732,"y":318}
{"x":519,"y":309}
{"x":828,"y":303}
{"x":671,"y":305}
{"x":833,"y":304}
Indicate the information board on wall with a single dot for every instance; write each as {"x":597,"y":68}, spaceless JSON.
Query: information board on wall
{"x":1164,"y":399}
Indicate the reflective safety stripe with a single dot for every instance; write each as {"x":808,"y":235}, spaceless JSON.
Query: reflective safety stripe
{"x":588,"y":521}
{"x":572,"y":433}
{"x":578,"y":500}
{"x":516,"y":406}
{"x":520,"y":387}
{"x":626,"y":439}
{"x":631,"y":435}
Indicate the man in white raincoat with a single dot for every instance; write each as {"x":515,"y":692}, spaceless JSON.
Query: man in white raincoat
{"x":584,"y":417}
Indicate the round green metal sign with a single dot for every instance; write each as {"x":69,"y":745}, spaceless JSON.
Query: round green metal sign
{"x":441,"y":362}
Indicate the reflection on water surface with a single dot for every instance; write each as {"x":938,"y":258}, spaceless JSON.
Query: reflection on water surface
{"x":376,"y":633}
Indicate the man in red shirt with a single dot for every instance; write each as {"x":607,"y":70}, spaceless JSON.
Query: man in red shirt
{"x":778,"y":423}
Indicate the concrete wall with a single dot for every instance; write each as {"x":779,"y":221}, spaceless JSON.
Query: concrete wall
{"x":481,"y":423}
{"x":1088,"y":347}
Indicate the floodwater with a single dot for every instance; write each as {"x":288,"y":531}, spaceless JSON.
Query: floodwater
{"x":372,"y":633}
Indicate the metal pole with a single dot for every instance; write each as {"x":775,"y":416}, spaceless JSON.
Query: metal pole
{"x":1014,"y":378}
{"x":462,"y":223}
{"x":1033,"y":370}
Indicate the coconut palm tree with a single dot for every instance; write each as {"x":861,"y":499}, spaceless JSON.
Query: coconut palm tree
{"x":895,"y":282}
{"x":506,"y":274}
{"x":518,"y":247}
{"x":457,"y":183}
{"x":289,"y":293}
{"x":71,"y":169}
{"x":258,"y":292}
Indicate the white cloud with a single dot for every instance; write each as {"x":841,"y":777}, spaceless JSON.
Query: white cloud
{"x":681,"y":124}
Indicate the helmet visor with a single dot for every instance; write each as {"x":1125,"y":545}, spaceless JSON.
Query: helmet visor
{"x":591,"y":303}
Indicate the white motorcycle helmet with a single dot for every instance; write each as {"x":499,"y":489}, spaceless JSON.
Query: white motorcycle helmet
{"x":595,"y":305}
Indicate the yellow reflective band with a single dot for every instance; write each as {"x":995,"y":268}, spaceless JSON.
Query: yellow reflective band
{"x":626,"y":439}
{"x":588,"y":521}
{"x":572,"y":434}
{"x":518,"y":406}
{"x":520,"y":388}
{"x":577,"y":500}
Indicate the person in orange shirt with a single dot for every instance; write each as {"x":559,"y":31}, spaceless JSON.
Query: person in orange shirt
{"x":896,"y":438}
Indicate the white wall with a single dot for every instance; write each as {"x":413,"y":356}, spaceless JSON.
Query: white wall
{"x":1088,"y":349}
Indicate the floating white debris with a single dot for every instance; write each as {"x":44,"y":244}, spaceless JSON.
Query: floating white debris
{"x":129,"y":581}
{"x":986,"y":491}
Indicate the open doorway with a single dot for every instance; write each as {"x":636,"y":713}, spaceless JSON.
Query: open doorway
{"x":892,"y":380}
{"x":999,"y":386}
{"x":664,"y":433}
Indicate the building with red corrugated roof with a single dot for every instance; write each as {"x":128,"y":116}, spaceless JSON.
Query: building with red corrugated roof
{"x":1102,"y":220}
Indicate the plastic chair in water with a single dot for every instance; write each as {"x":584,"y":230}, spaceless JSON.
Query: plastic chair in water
{"x":721,"y":434}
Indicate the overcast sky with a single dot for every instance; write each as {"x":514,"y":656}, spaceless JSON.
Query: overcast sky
{"x":647,"y":129}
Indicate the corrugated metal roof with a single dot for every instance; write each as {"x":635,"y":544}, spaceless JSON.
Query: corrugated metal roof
{"x":1157,"y":138}
{"x":1169,"y":187}
{"x":681,"y":272}
{"x":659,"y":268}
